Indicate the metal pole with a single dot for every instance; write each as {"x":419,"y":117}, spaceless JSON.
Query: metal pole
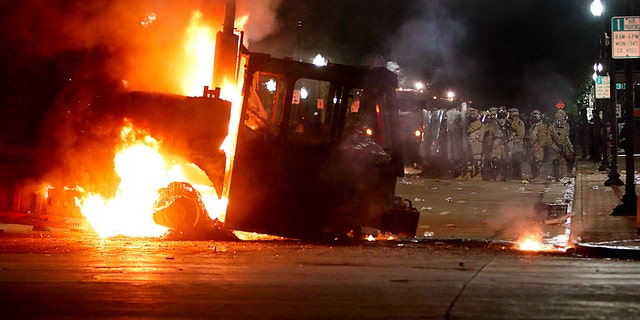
{"x":604,"y":164}
{"x":602,"y":58}
{"x":629,"y":198}
{"x":614,"y":176}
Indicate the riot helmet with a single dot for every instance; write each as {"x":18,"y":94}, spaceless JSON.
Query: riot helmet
{"x":536,"y":116}
{"x":484,"y":115}
{"x":473,"y":114}
{"x":560,"y":118}
{"x":493,"y":112}
{"x":502,"y":113}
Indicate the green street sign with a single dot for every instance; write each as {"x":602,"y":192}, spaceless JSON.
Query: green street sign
{"x":603,"y":90}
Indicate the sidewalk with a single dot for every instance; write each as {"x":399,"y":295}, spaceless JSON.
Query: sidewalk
{"x":493,"y":211}
{"x":596,"y":230}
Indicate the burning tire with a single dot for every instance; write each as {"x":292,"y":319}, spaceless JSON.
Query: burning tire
{"x":180,"y":208}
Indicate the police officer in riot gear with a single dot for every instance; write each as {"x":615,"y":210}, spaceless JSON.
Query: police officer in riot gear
{"x":560,"y":146}
{"x":516,"y":143}
{"x":488,"y":121}
{"x":536,"y":139}
{"x":499,"y":135}
{"x":475,"y":133}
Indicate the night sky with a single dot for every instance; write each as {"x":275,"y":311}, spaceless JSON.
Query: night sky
{"x":525,"y":53}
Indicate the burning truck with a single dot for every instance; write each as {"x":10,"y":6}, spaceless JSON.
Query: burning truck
{"x":299,"y":151}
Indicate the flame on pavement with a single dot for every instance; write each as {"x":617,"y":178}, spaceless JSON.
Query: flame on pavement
{"x":531,"y":243}
{"x":536,"y":242}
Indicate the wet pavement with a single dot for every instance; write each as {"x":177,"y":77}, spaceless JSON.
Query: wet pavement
{"x":510,"y":211}
{"x":463,"y":264}
{"x":81,"y":277}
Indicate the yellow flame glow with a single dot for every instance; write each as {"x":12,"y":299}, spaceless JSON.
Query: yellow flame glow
{"x":241,"y":22}
{"x":142,"y":170}
{"x":199,"y":50}
{"x":530,"y":244}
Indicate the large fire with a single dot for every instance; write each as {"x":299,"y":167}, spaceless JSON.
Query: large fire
{"x":142,"y":170}
{"x":142,"y":167}
{"x":199,"y":47}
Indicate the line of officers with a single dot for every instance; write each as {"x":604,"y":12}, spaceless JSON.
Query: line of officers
{"x":495,"y":143}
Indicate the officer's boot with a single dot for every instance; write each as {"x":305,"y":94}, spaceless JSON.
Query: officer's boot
{"x":505,"y":170}
{"x":555,"y":167}
{"x":535,"y":169}
{"x":516,"y":169}
{"x":477,"y":170}
{"x":486,"y":170}
{"x":570,"y":169}
{"x":464,"y":171}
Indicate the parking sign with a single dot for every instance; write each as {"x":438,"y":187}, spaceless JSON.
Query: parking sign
{"x":626,"y":37}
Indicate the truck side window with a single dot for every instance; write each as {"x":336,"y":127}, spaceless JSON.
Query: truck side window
{"x":265,"y":103}
{"x":310,"y":121}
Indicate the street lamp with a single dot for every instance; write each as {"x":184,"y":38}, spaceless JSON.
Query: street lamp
{"x":613,"y":177}
{"x":320,"y":61}
{"x":596,"y":8}
{"x":450,"y":95}
{"x":597,"y":67}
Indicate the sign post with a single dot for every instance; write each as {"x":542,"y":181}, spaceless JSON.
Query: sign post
{"x":626,"y":37}
{"x":626,"y":45}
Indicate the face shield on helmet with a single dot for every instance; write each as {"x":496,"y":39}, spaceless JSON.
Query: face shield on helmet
{"x":493,"y":112}
{"x":502,"y":113}
{"x":484,"y":115}
{"x":473,"y":114}
{"x":560,"y":118}
{"x":514,"y":113}
{"x":536,"y":116}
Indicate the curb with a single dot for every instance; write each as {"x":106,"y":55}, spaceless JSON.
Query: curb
{"x":623,"y":249}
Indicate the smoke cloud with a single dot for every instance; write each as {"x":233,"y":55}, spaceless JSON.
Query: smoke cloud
{"x":141,"y":41}
{"x":496,"y":53}
{"x":429,"y":45}
{"x":73,"y":55}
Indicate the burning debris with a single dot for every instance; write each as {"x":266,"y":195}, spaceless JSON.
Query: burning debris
{"x":180,"y":208}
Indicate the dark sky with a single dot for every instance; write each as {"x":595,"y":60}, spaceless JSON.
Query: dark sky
{"x":525,"y":53}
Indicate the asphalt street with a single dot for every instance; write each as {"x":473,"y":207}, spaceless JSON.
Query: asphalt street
{"x":463,"y":264}
{"x":80,"y":277}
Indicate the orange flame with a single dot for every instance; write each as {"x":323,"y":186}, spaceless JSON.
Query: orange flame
{"x":530,"y":243}
{"x":241,"y":22}
{"x":535,"y":243}
{"x":142,"y":170}
{"x":199,"y":48}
